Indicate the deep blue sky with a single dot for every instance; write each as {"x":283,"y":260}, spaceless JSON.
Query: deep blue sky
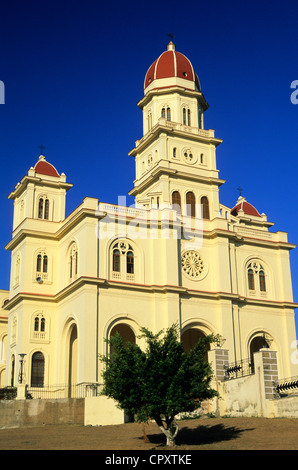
{"x":74,"y":71}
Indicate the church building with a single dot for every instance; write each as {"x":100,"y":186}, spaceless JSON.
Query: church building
{"x":178,"y":255}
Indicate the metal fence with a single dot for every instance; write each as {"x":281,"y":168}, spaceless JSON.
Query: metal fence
{"x":240,"y":368}
{"x":81,"y":390}
{"x":288,"y":385}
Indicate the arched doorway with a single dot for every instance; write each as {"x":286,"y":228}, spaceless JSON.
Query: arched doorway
{"x":72,"y":359}
{"x":190,"y":338}
{"x":125,"y":332}
{"x":257,"y":343}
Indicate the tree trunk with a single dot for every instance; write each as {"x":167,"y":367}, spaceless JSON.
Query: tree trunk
{"x":170,"y":428}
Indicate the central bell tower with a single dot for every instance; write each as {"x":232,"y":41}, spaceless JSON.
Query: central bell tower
{"x":175,"y":160}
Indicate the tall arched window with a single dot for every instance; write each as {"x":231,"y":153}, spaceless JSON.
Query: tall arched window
{"x":184,"y":116}
{"x":130,"y":262}
{"x":163,"y":112}
{"x":176,"y":201}
{"x":46,"y":209}
{"x":188,"y":117}
{"x":40,"y":208}
{"x":38,"y":263}
{"x":73,"y":261}
{"x":250,"y":278}
{"x":37,"y":370}
{"x":205,"y":207}
{"x":191,"y":204}
{"x":168,"y":114}
{"x":36,"y":324}
{"x":116,"y":260}
{"x":45,"y":264}
{"x":262,"y":281}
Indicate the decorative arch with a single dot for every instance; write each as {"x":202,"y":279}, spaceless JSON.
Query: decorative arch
{"x":70,"y":351}
{"x":130,"y":331}
{"x":258,"y":339}
{"x":72,"y":261}
{"x":192,"y":332}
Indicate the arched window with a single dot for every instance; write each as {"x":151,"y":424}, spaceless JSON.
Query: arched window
{"x":262,"y":281}
{"x":45,"y":264}
{"x":174,"y":152}
{"x":42,"y":325}
{"x":250,"y":278}
{"x":188,"y":117}
{"x":191,"y":204}
{"x":184,"y":116}
{"x":176,"y":201}
{"x":116,"y":260}
{"x":38,"y":264}
{"x":130,"y":262}
{"x":168,"y":114}
{"x":36,"y":324}
{"x":73,"y":261}
{"x":40,"y":208}
{"x":46,"y":209}
{"x":37,"y":370}
{"x":205,"y":207}
{"x":163,"y":112}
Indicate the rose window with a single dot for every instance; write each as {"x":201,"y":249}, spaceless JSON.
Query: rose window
{"x":192,"y":264}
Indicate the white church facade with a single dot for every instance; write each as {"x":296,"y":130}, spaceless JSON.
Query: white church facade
{"x":179,"y":256}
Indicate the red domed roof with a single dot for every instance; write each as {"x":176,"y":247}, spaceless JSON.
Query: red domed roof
{"x":171,"y":64}
{"x":246,"y":207}
{"x":43,"y":167}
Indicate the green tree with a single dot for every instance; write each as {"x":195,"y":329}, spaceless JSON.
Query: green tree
{"x":161,"y":381}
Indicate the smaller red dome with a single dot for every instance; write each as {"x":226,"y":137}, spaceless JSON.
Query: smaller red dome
{"x":246,"y":207}
{"x":171,"y":64}
{"x":43,"y":167}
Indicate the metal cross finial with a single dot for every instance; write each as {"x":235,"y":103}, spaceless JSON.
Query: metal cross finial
{"x":171,"y":35}
{"x":240,"y":189}
{"x":41,"y":147}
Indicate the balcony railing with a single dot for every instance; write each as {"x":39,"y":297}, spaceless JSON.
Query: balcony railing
{"x":241,"y":368}
{"x":81,"y":390}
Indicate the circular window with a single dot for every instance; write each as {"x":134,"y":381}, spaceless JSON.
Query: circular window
{"x":193,"y":265}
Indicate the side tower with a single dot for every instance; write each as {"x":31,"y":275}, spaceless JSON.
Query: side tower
{"x":40,"y":194}
{"x":176,"y":157}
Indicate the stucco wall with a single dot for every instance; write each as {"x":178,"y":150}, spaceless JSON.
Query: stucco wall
{"x":19,"y":413}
